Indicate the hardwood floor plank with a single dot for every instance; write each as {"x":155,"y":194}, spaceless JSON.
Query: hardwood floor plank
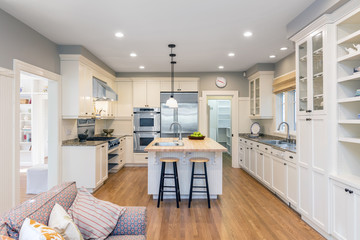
{"x":245,"y":211}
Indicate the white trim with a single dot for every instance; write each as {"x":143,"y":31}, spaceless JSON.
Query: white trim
{"x":161,"y":79}
{"x":6,"y":72}
{"x":321,"y":21}
{"x":54,"y":172}
{"x":260,"y":73}
{"x":294,"y":71}
{"x":203,"y":118}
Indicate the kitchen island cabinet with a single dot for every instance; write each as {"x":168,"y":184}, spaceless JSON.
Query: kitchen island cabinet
{"x":207,"y":148}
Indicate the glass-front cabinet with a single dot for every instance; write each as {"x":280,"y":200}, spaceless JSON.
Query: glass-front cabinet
{"x":310,"y":74}
{"x":260,"y":92}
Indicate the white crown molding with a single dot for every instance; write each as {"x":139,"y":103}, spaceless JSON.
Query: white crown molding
{"x":6,"y":72}
{"x":319,"y":22}
{"x":161,"y":79}
{"x":87,"y":62}
{"x":261,"y":73}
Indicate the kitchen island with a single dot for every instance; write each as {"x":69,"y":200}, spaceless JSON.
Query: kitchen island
{"x":192,"y":148}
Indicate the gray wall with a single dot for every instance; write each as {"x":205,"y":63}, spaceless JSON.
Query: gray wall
{"x":77,"y":49}
{"x":235,"y":80}
{"x":19,"y":41}
{"x":285,"y":65}
{"x":260,"y":67}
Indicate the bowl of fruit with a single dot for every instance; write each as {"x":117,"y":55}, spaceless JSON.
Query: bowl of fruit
{"x":196,"y":136}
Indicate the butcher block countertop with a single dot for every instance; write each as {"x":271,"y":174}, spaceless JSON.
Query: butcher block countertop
{"x":206,"y":145}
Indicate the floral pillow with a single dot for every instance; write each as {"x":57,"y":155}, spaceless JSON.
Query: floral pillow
{"x":32,"y":230}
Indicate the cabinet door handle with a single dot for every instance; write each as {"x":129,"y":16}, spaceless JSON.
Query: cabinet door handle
{"x":351,"y":191}
{"x":308,"y":119}
{"x":266,"y":148}
{"x":146,"y":157}
{"x":308,"y":111}
{"x":120,"y":149}
{"x":257,"y":145}
{"x":102,"y":146}
{"x":251,"y":148}
{"x":346,"y":190}
{"x":245,"y":141}
{"x":285,"y":164}
{"x":261,"y":154}
{"x":240,"y":148}
{"x":291,"y":157}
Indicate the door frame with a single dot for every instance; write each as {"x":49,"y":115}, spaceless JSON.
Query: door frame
{"x":55,"y":124}
{"x":203,"y":118}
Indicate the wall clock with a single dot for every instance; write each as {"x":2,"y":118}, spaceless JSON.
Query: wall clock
{"x":220,"y":82}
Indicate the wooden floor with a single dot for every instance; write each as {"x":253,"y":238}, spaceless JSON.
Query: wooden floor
{"x":246,"y":210}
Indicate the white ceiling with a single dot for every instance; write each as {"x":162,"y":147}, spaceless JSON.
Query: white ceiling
{"x":205,"y":31}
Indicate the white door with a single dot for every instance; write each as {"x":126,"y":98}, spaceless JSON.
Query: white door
{"x":124,"y":105}
{"x":139,"y":94}
{"x":267,"y":170}
{"x":343,"y":212}
{"x":292,"y":184}
{"x":259,"y":165}
{"x":279,"y":176}
{"x":252,"y":161}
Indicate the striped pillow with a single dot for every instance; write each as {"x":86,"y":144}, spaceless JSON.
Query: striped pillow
{"x":95,"y":218}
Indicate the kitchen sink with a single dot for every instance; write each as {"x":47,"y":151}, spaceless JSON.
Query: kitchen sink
{"x":168,"y":144}
{"x":280,"y":143}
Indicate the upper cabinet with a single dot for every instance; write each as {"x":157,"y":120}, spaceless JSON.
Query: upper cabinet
{"x":180,"y":85}
{"x":260,"y":92}
{"x":77,"y":88}
{"x":146,"y":93}
{"x":313,"y":70}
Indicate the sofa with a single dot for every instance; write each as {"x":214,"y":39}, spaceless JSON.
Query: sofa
{"x":130,"y":226}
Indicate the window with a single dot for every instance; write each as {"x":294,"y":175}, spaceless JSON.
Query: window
{"x":285,"y":110}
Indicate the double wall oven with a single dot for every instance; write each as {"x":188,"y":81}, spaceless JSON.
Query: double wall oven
{"x":146,"y":127}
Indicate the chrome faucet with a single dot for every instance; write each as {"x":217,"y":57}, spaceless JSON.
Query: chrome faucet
{"x":176,"y":123}
{"x":288,"y":130}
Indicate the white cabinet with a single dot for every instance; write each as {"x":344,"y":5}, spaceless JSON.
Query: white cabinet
{"x":190,"y":85}
{"x":146,"y":93}
{"x":124,"y":105}
{"x":241,"y":154}
{"x":77,"y":100}
{"x":259,"y":165}
{"x":313,"y":154}
{"x":292,"y":184}
{"x":260,"y":91}
{"x":252,"y":161}
{"x":279,"y":177}
{"x":87,"y":165}
{"x":268,"y":170}
{"x":247,"y":158}
{"x":345,"y":211}
{"x":140,"y":158}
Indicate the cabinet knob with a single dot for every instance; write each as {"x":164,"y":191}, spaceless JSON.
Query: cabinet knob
{"x":102,"y":146}
{"x":308,"y":119}
{"x":261,"y":154}
{"x":351,"y":191}
{"x":266,"y":148}
{"x":146,"y":157}
{"x":291,"y":157}
{"x":346,"y":190}
{"x":257,"y":145}
{"x":285,"y":164}
{"x":308,"y":111}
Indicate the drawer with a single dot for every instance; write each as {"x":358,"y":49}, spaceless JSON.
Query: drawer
{"x":289,"y":156}
{"x":140,"y":158}
{"x":265,"y":148}
{"x":241,"y":140}
{"x":122,"y":158}
{"x":242,"y":148}
{"x":277,"y":153}
{"x":122,"y":142}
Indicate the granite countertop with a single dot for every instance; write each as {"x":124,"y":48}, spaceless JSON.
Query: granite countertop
{"x":77,"y":143}
{"x":269,"y":137}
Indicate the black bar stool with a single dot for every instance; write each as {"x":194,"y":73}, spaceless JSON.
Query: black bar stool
{"x":199,"y":176}
{"x":164,"y":175}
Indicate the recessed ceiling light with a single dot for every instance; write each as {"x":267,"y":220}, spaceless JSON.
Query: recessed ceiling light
{"x":142,"y":67}
{"x":221,"y":67}
{"x":283,"y":48}
{"x":119,"y":34}
{"x":231,"y":54}
{"x":272,"y":56}
{"x":248,"y":34}
{"x":133,"y":54}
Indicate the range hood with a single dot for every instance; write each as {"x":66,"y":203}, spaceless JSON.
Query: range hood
{"x":102,"y":91}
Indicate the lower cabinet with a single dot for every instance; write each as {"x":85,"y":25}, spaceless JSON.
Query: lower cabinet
{"x":252,"y":166}
{"x":247,"y":158}
{"x":259,"y":165}
{"x":345,"y":211}
{"x":292,"y":184}
{"x":279,"y":177}
{"x":86,"y":165}
{"x":241,"y":155}
{"x":268,"y":170}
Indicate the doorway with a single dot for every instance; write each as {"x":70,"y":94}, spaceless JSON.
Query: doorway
{"x":228,"y":97}
{"x":37,"y":132}
{"x":33,"y":134}
{"x":219,"y":112}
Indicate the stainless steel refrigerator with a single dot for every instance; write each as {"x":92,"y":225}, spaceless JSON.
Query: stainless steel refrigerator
{"x":186,"y":114}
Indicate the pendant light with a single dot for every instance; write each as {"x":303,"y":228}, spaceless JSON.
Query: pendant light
{"x":171,"y":102}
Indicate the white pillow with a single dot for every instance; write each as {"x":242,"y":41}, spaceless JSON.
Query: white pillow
{"x":32,"y":230}
{"x":61,"y":222}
